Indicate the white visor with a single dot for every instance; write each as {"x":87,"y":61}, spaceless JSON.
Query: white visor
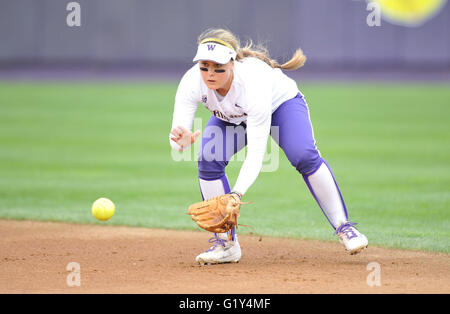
{"x":215,"y":52}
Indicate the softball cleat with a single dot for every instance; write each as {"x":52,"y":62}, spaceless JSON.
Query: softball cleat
{"x":222,"y":251}
{"x":353,"y":240}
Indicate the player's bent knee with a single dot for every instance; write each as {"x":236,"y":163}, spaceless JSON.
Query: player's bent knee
{"x":306,"y":163}
{"x":211,"y":170}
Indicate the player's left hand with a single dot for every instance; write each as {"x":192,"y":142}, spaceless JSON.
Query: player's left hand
{"x":183,"y":137}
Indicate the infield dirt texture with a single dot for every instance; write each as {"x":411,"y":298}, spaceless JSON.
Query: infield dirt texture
{"x":34,"y":256}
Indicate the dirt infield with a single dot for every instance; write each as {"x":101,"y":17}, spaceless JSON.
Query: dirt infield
{"x":34,"y":257}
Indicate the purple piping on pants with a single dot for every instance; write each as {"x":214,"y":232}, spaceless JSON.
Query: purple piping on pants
{"x":203,"y":198}
{"x":226,"y":185}
{"x":305,"y":177}
{"x":227,"y":189}
{"x":337,"y":186}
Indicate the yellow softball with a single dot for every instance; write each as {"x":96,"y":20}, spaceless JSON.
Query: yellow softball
{"x":103,"y":209}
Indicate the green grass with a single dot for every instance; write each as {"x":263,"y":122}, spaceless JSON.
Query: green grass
{"x":64,"y":145}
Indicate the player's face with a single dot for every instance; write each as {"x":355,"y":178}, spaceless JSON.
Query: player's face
{"x":217,"y":76}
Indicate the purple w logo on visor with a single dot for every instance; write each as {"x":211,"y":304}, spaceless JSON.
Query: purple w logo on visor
{"x":211,"y":47}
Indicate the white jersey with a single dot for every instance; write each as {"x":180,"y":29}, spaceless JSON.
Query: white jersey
{"x":256,"y":92}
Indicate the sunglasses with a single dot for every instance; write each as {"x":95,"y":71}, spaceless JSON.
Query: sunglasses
{"x":215,"y":70}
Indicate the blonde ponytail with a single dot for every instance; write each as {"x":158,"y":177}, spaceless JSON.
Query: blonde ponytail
{"x":250,"y":50}
{"x":297,"y":61}
{"x":261,"y":52}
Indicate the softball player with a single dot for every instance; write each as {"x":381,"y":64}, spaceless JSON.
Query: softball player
{"x":248,"y":96}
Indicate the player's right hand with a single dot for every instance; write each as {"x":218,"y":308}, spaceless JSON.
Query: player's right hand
{"x":183,"y":137}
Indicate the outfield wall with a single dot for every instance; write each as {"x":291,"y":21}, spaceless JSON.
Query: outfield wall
{"x":331,"y":32}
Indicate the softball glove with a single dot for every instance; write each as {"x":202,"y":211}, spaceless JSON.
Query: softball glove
{"x":218,"y":214}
